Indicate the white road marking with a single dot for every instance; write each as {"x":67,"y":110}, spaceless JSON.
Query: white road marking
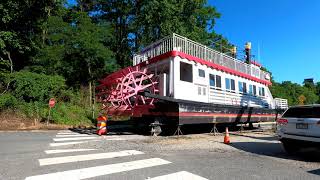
{"x":73,"y":138}
{"x":66,"y":150}
{"x":71,"y":135}
{"x":182,"y":175}
{"x":64,"y":133}
{"x":69,"y":143}
{"x":87,"y":157}
{"x":112,"y":138}
{"x":90,"y":172}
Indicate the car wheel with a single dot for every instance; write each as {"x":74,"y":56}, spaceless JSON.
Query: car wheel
{"x":290,"y":146}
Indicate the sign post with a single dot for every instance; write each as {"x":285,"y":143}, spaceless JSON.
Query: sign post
{"x":52,"y":102}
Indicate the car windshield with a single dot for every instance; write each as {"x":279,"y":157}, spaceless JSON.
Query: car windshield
{"x":303,"y":112}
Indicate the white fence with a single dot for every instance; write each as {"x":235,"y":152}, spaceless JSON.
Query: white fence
{"x":281,"y":103}
{"x":182,"y":44}
{"x":222,"y":97}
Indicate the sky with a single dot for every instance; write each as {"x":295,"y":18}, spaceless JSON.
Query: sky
{"x":287,"y":33}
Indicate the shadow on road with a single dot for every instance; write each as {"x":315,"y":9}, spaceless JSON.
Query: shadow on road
{"x":265,"y":138}
{"x":316,"y":172}
{"x":127,"y":127}
{"x":276,"y":150}
{"x":114,"y":128}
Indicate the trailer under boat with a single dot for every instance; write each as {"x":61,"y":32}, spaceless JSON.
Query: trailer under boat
{"x":168,"y":113}
{"x":176,"y":82}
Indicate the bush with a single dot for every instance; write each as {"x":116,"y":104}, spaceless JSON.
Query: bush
{"x":29,"y":93}
{"x":31,"y":87}
{"x":34,"y":110}
{"x":69,"y":114}
{"x":7,"y":101}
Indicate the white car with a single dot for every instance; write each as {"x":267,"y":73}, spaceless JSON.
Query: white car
{"x":299,"y":127}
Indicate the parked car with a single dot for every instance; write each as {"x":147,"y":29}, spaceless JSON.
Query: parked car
{"x":299,"y":127}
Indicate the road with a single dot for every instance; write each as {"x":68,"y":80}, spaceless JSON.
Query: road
{"x":76,"y":155}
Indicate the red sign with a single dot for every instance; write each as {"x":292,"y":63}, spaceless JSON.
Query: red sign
{"x":52,"y":102}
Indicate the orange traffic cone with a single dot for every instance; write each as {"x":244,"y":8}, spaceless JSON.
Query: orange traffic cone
{"x":101,"y":125}
{"x":227,"y":137}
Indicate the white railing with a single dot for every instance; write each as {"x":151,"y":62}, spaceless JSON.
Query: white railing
{"x":281,"y":103}
{"x":223,"y":97}
{"x":182,"y":44}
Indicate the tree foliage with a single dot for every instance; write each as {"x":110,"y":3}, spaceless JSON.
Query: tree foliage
{"x":29,"y":87}
{"x":74,"y":47}
{"x":292,"y":92}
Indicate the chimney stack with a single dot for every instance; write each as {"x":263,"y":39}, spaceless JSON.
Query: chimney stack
{"x":248,"y":52}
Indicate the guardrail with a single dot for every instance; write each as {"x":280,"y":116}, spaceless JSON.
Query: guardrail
{"x":185,"y":45}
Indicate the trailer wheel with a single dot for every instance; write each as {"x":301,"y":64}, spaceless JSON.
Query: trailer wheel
{"x":155,"y":128}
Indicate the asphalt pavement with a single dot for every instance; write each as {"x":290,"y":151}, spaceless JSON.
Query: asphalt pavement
{"x":79,"y":154}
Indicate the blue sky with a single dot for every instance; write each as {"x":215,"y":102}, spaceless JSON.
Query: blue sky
{"x":287,"y":31}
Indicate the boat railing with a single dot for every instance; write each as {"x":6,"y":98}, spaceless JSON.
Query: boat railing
{"x":185,"y":45}
{"x":281,"y":103}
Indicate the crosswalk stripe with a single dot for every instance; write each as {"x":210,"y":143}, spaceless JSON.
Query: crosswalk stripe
{"x":69,"y":143}
{"x":182,"y":175}
{"x":56,"y":151}
{"x":74,"y":138}
{"x":87,"y":157}
{"x":100,"y":170}
{"x":71,"y":135}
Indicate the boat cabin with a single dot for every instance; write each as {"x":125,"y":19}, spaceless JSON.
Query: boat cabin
{"x":188,"y":70}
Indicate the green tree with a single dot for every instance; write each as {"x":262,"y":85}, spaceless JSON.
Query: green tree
{"x":18,"y":29}
{"x":120,"y":15}
{"x":137,"y":23}
{"x":193,"y":19}
{"x":292,"y":92}
{"x":74,"y":48}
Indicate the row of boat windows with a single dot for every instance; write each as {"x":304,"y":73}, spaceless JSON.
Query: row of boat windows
{"x":215,"y":81}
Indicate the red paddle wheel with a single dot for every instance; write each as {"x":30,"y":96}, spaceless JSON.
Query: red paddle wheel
{"x":120,"y":91}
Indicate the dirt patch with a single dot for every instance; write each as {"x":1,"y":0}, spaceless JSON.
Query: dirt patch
{"x":12,"y":122}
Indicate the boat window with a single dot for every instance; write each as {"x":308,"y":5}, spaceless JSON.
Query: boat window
{"x":240,"y":84}
{"x":204,"y":91}
{"x":215,"y":81}
{"x":250,"y":89}
{"x":201,"y":73}
{"x":212,"y":80}
{"x":261,"y":91}
{"x":254,"y":90}
{"x":242,"y":87}
{"x":227,"y":83}
{"x":186,"y":72}
{"x":233,"y":86}
{"x":230,"y":84}
{"x":199,"y":90}
{"x":218,"y":81}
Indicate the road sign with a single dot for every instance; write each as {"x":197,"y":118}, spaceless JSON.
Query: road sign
{"x":52,"y":102}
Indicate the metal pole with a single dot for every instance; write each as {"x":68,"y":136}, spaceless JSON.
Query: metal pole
{"x":49,"y":116}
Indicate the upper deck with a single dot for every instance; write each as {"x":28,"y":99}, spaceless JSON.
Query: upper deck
{"x":179,"y":43}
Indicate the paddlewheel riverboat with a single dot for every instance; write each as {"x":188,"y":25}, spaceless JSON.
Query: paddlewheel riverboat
{"x":176,"y":81}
